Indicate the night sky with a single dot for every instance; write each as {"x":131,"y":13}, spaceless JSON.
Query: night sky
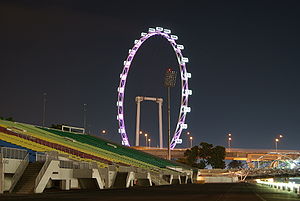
{"x":244,"y":59}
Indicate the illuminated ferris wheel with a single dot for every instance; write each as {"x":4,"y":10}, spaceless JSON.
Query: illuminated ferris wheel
{"x":185,"y":76}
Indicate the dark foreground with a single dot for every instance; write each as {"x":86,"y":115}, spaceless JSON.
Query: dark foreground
{"x":193,"y":192}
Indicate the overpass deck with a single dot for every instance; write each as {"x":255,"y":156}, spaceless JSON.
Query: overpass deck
{"x":231,"y":154}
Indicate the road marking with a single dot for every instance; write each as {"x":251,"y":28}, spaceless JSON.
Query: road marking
{"x":263,"y":199}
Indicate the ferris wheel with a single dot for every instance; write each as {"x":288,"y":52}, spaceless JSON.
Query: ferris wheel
{"x":184,"y":75}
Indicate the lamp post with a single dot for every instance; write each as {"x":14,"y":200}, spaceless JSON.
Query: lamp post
{"x":146,"y":137}
{"x":44,"y":108}
{"x":187,"y":137}
{"x":191,"y":141}
{"x":149,"y":142}
{"x":84,"y":116}
{"x":170,"y":81}
{"x":229,"y":141}
{"x":276,"y":142}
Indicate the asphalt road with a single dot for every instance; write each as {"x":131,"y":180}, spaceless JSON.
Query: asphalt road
{"x":188,"y":192}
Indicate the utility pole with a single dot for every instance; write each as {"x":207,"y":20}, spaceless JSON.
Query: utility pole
{"x":84,"y":117}
{"x":44,"y":109}
{"x":170,"y":81}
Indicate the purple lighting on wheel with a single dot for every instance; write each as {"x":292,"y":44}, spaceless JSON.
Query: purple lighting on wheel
{"x":184,"y":109}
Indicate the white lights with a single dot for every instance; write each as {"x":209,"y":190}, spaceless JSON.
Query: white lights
{"x":121,"y":90}
{"x":126,"y":63}
{"x":185,"y":59}
{"x":167,"y":31}
{"x":178,"y":141}
{"x":123,"y":76}
{"x":120,"y":116}
{"x":151,"y":30}
{"x":121,"y":130}
{"x":159,"y":29}
{"x":120,"y":103}
{"x":183,"y":126}
{"x":185,"y":109}
{"x":143,"y":34}
{"x":187,"y":92}
{"x":174,"y":37}
{"x":132,"y":52}
{"x":136,"y":41}
{"x":188,"y":75}
{"x":181,"y":47}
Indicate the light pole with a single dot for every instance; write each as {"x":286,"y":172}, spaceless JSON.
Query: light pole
{"x":276,"y":142}
{"x":84,"y":116}
{"x":149,"y":142}
{"x":170,"y":81}
{"x":188,"y":137}
{"x":146,"y":136}
{"x":191,"y":141}
{"x":229,"y":141}
{"x":44,"y":108}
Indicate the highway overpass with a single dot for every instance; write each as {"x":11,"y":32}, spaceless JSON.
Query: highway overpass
{"x":231,"y":154}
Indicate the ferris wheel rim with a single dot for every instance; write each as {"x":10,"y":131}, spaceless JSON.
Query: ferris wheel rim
{"x":184,"y":75}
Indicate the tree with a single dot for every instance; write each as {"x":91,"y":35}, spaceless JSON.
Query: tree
{"x":191,"y":156}
{"x":56,"y":126}
{"x":235,"y":164}
{"x":216,"y":159}
{"x":203,"y":155}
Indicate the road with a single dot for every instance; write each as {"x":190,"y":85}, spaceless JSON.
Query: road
{"x":188,"y":192}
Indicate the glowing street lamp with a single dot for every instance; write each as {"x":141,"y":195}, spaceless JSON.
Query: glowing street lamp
{"x":103,"y":132}
{"x":276,"y":142}
{"x":191,"y":141}
{"x":187,"y":137}
{"x":229,"y":140}
{"x":149,"y":142}
{"x":146,"y":136}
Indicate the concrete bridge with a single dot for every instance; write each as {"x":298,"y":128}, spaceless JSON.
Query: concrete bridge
{"x":231,"y":154}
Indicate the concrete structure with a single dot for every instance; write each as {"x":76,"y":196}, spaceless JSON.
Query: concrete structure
{"x":291,"y":187}
{"x":59,"y":171}
{"x":138,"y":101}
{"x":232,"y":154}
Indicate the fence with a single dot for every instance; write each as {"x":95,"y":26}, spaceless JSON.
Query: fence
{"x":13,"y":153}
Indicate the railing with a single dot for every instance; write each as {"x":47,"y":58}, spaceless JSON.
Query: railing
{"x":39,"y":157}
{"x":42,"y":171}
{"x":77,"y":165}
{"x":19,"y":172}
{"x":13,"y":153}
{"x":282,"y":186}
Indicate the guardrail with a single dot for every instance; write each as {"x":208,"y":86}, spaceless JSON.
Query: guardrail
{"x":282,"y":186}
{"x":13,"y":153}
{"x":77,"y":165}
{"x":42,"y":171}
{"x":19,"y":172}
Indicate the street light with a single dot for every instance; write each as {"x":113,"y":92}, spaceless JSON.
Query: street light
{"x":44,"y":108}
{"x":149,"y":141}
{"x":84,"y":117}
{"x":187,"y":137}
{"x":146,"y":136}
{"x":276,"y":142}
{"x":191,"y":141}
{"x":103,"y":131}
{"x":229,"y":141}
{"x":169,"y":81}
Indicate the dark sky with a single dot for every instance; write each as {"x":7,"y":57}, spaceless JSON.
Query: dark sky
{"x":244,"y":60}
